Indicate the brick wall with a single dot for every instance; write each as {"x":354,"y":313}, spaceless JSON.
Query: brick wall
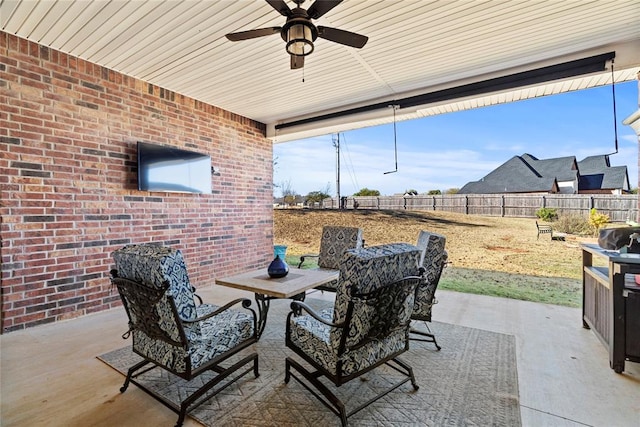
{"x":68,"y":134}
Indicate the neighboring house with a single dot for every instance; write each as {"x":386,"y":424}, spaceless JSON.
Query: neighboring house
{"x":279,"y":203}
{"x":597,"y":176}
{"x":527,"y":174}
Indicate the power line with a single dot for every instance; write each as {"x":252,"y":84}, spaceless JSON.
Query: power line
{"x":352,"y":173}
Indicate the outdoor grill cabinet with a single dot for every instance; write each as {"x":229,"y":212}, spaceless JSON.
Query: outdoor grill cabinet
{"x":611,"y":302}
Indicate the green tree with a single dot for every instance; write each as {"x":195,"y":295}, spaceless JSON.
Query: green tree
{"x":434,"y":192}
{"x":366,"y":192}
{"x":633,"y":190}
{"x":316,"y":196}
{"x":452,"y":191}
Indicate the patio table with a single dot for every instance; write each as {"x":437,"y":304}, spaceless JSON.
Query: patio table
{"x":293,"y":285}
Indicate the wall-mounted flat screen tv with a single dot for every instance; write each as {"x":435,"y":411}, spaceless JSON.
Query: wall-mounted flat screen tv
{"x":162,"y":168}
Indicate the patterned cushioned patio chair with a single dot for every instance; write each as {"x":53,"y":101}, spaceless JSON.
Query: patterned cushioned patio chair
{"x":433,"y":260}
{"x":170,"y":332}
{"x":367,"y":327}
{"x":334,"y":241}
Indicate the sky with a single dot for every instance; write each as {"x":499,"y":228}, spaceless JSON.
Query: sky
{"x":449,"y":150}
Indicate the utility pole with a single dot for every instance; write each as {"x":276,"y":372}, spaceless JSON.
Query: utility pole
{"x":336,"y":144}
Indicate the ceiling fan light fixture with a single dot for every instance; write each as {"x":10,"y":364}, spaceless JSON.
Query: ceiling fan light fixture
{"x":299,"y":40}
{"x":299,"y":33}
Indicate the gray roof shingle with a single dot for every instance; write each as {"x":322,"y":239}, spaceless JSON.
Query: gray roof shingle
{"x":528,"y":174}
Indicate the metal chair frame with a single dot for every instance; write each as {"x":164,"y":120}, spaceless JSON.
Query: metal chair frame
{"x":140,"y":302}
{"x":384,"y":323}
{"x":431,"y":279}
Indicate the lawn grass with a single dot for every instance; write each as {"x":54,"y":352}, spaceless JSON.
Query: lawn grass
{"x":549,"y":290}
{"x":294,"y":260}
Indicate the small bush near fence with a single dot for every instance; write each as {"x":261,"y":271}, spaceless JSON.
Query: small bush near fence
{"x":574,"y":224}
{"x":547,"y":214}
{"x":597,"y":219}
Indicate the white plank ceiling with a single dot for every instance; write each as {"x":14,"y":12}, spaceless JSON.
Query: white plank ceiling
{"x":414,"y":47}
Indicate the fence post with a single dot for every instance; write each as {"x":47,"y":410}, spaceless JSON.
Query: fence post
{"x":502,"y":210}
{"x":434,"y":203}
{"x":466,"y":205}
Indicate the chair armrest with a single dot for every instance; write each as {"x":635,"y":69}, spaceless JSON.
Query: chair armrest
{"x":446,"y":261}
{"x":246,"y":303}
{"x":303,"y":257}
{"x":298,"y":306}
{"x":193,"y":289}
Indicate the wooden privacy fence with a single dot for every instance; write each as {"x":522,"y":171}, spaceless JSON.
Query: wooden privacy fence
{"x":619,"y":208}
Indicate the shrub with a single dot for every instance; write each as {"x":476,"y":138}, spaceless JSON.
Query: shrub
{"x":597,"y":220}
{"x":574,"y":224}
{"x":366,"y":192}
{"x":547,"y":214}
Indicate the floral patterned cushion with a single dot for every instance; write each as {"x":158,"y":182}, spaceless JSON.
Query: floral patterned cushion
{"x":219,"y":334}
{"x":364,"y":269}
{"x":334,"y":242}
{"x":367,"y":269}
{"x":164,"y":338}
{"x":153,"y":265}
{"x":313,"y":337}
{"x":433,"y":259}
{"x":215,"y":336}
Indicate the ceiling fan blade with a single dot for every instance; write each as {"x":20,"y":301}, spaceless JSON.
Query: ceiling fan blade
{"x":297,"y":62}
{"x":343,"y":37}
{"x":252,"y":34}
{"x":280,"y":6}
{"x":320,"y":7}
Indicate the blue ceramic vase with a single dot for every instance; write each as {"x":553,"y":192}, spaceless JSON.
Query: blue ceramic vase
{"x":278,"y":268}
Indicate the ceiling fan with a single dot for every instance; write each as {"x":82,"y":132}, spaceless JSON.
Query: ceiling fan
{"x":299,"y":32}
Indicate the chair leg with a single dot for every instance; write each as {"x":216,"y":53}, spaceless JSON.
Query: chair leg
{"x":199,"y":396}
{"x":334,"y":404}
{"x":406,"y":370}
{"x":192,"y":402}
{"x":330,"y":400}
{"x":131,"y":373}
{"x":431,"y":337}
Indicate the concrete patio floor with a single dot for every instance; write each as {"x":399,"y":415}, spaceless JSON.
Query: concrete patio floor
{"x":50,"y":375}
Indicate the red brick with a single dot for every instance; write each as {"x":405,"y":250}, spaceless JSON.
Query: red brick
{"x":54,"y":131}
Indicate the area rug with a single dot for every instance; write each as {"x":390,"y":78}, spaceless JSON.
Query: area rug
{"x":473,"y":380}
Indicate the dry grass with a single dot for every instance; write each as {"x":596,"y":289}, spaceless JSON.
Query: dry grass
{"x":481,"y":249}
{"x":486,"y":243}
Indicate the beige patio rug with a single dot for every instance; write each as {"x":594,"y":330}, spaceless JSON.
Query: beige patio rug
{"x":473,"y":380}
